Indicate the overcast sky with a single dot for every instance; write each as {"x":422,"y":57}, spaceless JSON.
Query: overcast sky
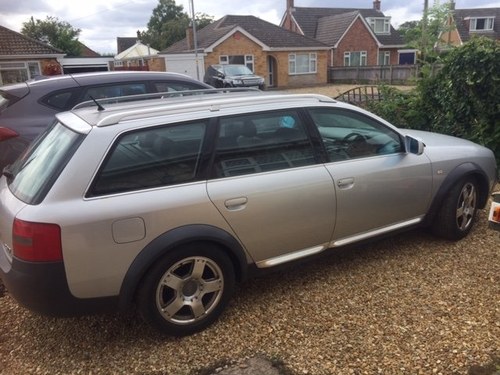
{"x":101,"y":22}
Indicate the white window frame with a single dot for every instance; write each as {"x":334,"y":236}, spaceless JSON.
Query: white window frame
{"x":384,"y":58}
{"x":31,"y":69}
{"x":363,"y":58}
{"x":307,"y":67}
{"x":380,"y":25}
{"x":249,"y":60}
{"x":489,"y":23}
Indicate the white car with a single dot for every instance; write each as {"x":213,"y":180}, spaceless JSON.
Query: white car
{"x":168,"y":203}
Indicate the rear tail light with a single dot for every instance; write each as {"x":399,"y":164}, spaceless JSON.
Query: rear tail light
{"x":36,"y":242}
{"x":6,"y":133}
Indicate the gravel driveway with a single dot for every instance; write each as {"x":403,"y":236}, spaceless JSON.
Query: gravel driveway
{"x":411,"y":304}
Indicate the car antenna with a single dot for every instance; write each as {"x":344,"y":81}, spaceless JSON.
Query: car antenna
{"x":99,"y":106}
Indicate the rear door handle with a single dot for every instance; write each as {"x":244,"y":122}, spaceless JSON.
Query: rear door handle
{"x":235,"y":204}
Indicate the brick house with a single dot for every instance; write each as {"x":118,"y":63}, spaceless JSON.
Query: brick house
{"x":468,"y":23}
{"x":22,"y":58}
{"x":284,"y":58}
{"x":356,"y":37}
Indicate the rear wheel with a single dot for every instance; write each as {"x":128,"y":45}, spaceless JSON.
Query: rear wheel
{"x":187,"y":290}
{"x":458,"y":210}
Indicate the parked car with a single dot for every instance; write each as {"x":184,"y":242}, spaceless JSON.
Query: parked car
{"x":232,"y":75}
{"x":166,"y":204}
{"x":27,"y":108}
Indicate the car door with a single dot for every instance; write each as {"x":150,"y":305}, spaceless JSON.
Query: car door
{"x":268,"y":186}
{"x":379,"y":186}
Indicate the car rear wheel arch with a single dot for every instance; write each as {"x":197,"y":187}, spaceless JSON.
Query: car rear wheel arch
{"x":172,"y":240}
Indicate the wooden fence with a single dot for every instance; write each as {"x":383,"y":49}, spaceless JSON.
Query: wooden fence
{"x":390,"y":74}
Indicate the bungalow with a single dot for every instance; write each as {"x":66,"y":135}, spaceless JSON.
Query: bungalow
{"x":284,"y":58}
{"x":22,"y":58}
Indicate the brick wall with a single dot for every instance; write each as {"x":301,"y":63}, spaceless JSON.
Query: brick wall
{"x":357,"y":39}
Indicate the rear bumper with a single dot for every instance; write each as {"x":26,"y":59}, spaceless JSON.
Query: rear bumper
{"x":43,"y":288}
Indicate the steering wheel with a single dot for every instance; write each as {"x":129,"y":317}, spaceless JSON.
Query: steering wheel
{"x":354,"y":137}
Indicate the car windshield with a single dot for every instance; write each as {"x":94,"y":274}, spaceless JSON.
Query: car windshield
{"x":32,"y":175}
{"x":236,"y":70}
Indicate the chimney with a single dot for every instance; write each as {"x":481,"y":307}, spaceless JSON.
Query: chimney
{"x":452,"y":5}
{"x":376,"y":5}
{"x":190,"y":37}
{"x":289,"y":5}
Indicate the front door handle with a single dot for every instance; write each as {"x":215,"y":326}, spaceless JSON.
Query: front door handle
{"x":345,"y":183}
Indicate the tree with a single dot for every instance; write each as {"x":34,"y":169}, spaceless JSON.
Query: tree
{"x":58,"y":34}
{"x":425,"y":33}
{"x":168,"y":24}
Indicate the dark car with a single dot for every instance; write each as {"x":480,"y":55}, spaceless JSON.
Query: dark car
{"x":27,"y":108}
{"x":232,"y":75}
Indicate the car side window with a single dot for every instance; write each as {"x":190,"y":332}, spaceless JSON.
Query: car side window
{"x":261,"y":142}
{"x":151,"y":158}
{"x":111,"y":91}
{"x":61,"y":100}
{"x":348,"y":134}
{"x":175,"y":86}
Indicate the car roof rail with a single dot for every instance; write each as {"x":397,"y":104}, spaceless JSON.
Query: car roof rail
{"x":162,"y":95}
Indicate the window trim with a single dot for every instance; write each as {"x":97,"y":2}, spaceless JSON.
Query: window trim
{"x":386,"y":26}
{"x":363,"y":56}
{"x":248,"y":61}
{"x":489,"y":24}
{"x":25,"y":66}
{"x":312,"y":63}
{"x":384,"y":58}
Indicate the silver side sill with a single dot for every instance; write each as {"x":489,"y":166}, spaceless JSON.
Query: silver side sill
{"x":377,"y":232}
{"x":289,"y":257}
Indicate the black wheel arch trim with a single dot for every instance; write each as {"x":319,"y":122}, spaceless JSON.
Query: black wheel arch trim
{"x":173,"y":239}
{"x":458,"y":173}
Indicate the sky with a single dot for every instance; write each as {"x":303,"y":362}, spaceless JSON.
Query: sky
{"x":101,"y":22}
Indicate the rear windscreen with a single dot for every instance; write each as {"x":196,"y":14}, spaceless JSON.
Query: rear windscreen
{"x":33,"y":174}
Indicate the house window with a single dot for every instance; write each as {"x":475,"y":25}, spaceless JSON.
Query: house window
{"x":247,"y":60}
{"x":355,"y":58}
{"x":384,"y":58}
{"x":302,"y":63}
{"x":482,"y":24}
{"x":380,"y":25}
{"x":13,"y":72}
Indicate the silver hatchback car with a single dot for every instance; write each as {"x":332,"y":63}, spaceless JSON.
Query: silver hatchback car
{"x":166,"y":204}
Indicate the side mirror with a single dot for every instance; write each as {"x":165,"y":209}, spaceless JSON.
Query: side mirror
{"x":414,"y":146}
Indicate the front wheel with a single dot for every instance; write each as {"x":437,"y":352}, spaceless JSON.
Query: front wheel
{"x":458,"y":210}
{"x":187,"y":290}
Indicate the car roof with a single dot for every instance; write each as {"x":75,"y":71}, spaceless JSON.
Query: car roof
{"x":109,"y":77}
{"x":214,"y":102}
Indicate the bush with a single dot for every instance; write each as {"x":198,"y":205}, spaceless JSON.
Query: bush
{"x":461,"y":100}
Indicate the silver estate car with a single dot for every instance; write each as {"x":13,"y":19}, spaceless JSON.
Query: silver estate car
{"x":166,"y":204}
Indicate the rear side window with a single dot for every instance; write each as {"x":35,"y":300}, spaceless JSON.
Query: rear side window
{"x":34,"y":173}
{"x":260,"y":143}
{"x":61,"y":100}
{"x":111,"y":91}
{"x":151,"y":158}
{"x":176,"y":86}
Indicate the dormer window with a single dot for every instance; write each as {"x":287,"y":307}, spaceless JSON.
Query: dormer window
{"x":482,"y":24}
{"x":380,"y":25}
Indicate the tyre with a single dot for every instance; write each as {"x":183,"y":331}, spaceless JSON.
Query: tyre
{"x":458,"y":210}
{"x":187,"y":289}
